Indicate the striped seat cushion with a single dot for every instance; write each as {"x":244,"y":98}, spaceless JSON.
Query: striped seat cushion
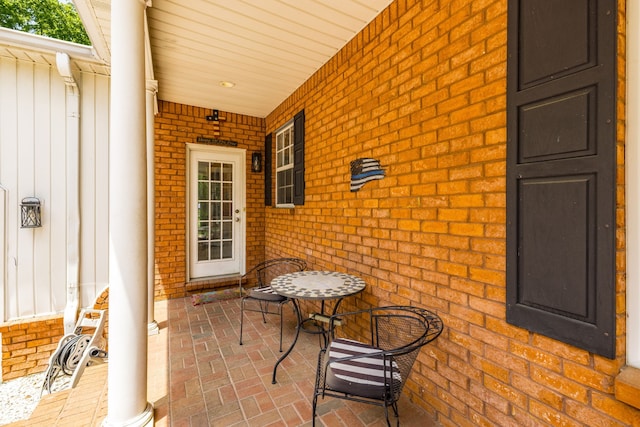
{"x":265,"y":294}
{"x":362,"y":376}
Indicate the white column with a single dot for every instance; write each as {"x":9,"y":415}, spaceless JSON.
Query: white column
{"x":152,"y":89}
{"x":128,"y":290}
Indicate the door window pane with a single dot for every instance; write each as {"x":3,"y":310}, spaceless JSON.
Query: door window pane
{"x":215,"y":231}
{"x":203,"y":170}
{"x":216,"y":192}
{"x":227,"y":191}
{"x":227,"y":211}
{"x":215,"y":250}
{"x":215,"y":211}
{"x":203,"y":191}
{"x":227,"y":230}
{"x":203,"y":211}
{"x":227,"y":172}
{"x":203,"y":231}
{"x":203,"y":251}
{"x":216,"y":171}
{"x":227,"y":249}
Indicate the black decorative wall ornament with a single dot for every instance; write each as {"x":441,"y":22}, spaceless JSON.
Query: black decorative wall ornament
{"x":215,"y":141}
{"x":364,"y":170}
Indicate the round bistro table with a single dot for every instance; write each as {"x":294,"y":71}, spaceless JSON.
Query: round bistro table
{"x":314,"y":285}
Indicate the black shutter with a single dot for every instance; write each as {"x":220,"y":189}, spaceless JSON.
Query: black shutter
{"x":267,"y":169}
{"x":561,"y":170}
{"x":298,"y":158}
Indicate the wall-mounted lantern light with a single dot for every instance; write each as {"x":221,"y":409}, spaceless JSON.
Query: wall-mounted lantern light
{"x":30,"y":213}
{"x":256,"y":162}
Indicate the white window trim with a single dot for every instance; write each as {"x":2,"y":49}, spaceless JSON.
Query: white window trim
{"x":632,"y":169}
{"x":286,"y":127}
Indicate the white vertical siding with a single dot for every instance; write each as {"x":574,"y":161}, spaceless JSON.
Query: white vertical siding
{"x":56,"y":206}
{"x":9,"y":175}
{"x":3,"y":249}
{"x":94,"y":187}
{"x":33,"y":162}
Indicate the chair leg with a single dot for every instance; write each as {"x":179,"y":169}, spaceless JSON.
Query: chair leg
{"x":241,"y":318}
{"x":317,"y":387}
{"x":281,"y":324}
{"x":394,"y":406}
{"x":395,"y":410}
{"x":241,"y":306}
{"x":313,"y":410}
{"x":386,"y":416}
{"x":264,"y":308}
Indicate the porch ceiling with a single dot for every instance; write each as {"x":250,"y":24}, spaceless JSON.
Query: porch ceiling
{"x":268,"y":48}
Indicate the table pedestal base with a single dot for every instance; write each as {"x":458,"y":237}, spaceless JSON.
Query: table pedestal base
{"x":300,"y":326}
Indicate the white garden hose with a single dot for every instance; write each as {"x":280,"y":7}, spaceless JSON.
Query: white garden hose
{"x":65,"y":359}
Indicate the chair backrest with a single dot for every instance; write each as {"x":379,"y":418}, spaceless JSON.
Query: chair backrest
{"x":262,"y":274}
{"x":402,"y":331}
{"x":399,"y":332}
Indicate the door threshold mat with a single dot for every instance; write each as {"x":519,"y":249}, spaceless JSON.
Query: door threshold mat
{"x":212,"y":296}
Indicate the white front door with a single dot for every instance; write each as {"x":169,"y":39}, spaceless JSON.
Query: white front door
{"x":216,"y":210}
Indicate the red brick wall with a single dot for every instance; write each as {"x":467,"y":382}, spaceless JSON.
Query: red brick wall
{"x":423,"y":89}
{"x":28,"y":344}
{"x":175,"y":126}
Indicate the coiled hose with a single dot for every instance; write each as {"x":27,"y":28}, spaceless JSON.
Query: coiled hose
{"x":66,"y":358}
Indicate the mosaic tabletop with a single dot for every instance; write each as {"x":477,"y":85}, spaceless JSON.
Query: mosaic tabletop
{"x":317,"y":285}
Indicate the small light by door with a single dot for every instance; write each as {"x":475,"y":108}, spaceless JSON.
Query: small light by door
{"x":30,"y":213}
{"x":256,"y":162}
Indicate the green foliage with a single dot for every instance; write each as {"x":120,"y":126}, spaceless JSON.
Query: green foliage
{"x":50,"y":18}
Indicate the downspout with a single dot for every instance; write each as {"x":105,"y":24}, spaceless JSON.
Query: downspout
{"x":73,"y":191}
{"x":151,"y":108}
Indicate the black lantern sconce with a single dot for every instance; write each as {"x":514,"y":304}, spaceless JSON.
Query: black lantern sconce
{"x":30,"y":213}
{"x":256,"y":162}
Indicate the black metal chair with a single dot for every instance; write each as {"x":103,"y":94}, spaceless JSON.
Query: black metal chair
{"x":374,"y":371}
{"x":256,"y":291}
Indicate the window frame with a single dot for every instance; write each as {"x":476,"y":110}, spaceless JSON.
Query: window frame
{"x":289,"y":128}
